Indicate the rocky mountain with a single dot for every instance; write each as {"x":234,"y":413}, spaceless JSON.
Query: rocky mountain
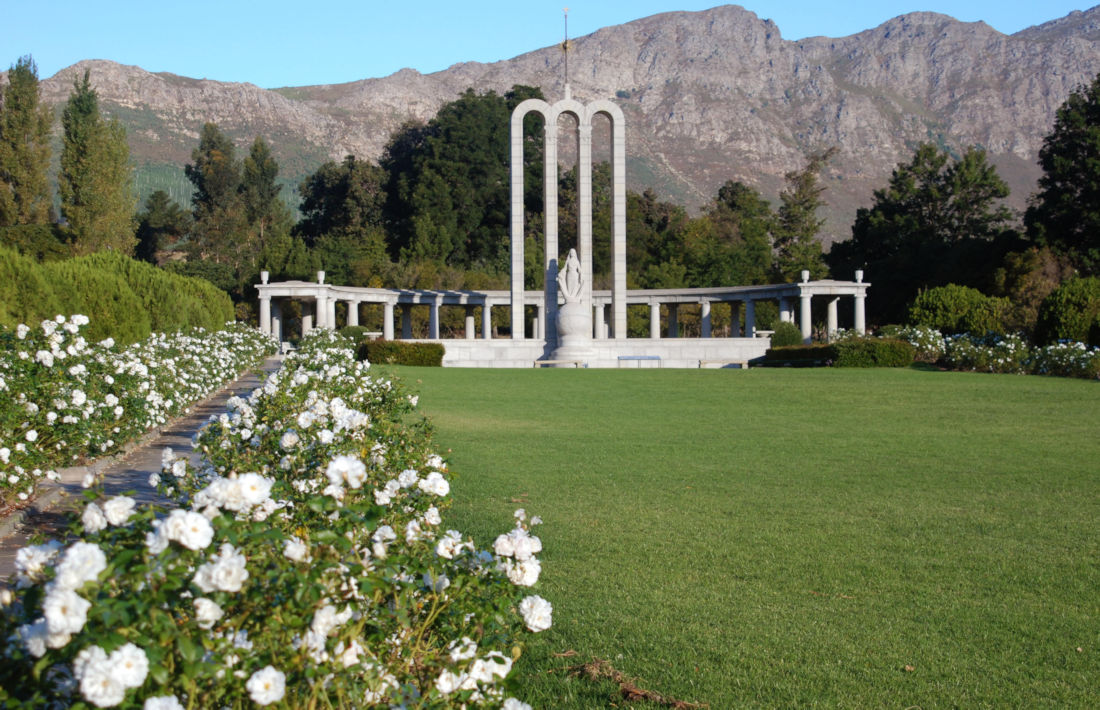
{"x":708,"y":96}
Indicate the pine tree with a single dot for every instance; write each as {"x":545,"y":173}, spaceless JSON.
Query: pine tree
{"x":161,"y":220}
{"x":24,"y":149}
{"x":263,"y":207}
{"x":95,"y":181}
{"x":1065,"y":214}
{"x":797,"y":223}
{"x":218,"y":208}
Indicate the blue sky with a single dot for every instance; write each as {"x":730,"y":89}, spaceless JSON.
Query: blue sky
{"x":279,"y":43}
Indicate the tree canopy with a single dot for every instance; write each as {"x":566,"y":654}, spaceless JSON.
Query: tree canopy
{"x":24,"y":149}
{"x":1065,"y":213}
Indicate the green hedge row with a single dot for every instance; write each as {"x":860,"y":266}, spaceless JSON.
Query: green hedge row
{"x":396,"y":352}
{"x":125,"y":299}
{"x":851,"y":352}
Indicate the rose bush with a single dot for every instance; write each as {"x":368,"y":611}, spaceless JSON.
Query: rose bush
{"x":63,"y":399}
{"x":304,"y":564}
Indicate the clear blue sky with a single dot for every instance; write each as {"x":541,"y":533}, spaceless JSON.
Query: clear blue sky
{"x":279,"y":43}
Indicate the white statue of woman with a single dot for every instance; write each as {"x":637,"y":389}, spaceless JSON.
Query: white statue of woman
{"x":569,"y":278}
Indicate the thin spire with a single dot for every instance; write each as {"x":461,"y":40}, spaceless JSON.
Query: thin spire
{"x":565,"y":50}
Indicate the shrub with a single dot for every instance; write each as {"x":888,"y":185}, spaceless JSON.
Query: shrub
{"x":873,"y":352}
{"x":786,"y":334}
{"x":987,"y":353}
{"x":926,"y":341}
{"x":959,"y":309}
{"x":1069,"y":312}
{"x":115,"y":311}
{"x":396,"y":352}
{"x":26,"y":295}
{"x":356,"y":333}
{"x":799,"y":356}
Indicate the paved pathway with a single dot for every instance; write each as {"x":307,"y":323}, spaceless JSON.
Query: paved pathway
{"x":129,"y":472}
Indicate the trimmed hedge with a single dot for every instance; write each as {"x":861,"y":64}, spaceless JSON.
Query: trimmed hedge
{"x":873,"y":352}
{"x":850,"y":352}
{"x":799,"y":356}
{"x":124,"y":298}
{"x":1070,"y":312}
{"x":396,"y":352}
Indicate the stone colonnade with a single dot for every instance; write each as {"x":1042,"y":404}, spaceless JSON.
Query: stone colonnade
{"x":318,"y":303}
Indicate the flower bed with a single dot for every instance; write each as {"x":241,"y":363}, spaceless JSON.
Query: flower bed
{"x":63,"y":400}
{"x":1006,"y":354}
{"x":306,"y":565}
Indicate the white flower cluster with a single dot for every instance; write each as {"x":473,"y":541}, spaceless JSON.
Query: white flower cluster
{"x":68,"y":399}
{"x":307,"y":554}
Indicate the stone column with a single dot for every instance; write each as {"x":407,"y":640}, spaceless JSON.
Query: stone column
{"x":516,"y":230}
{"x":265,"y":315}
{"x":406,"y":321}
{"x":599,"y":326}
{"x":539,"y":327}
{"x":307,"y":317}
{"x":584,"y":206}
{"x":618,"y":224}
{"x":470,"y":330}
{"x":330,"y":313}
{"x":786,"y":313}
{"x":704,"y":318}
{"x":655,"y":320}
{"x":320,"y":308}
{"x":276,"y":321}
{"x":831,"y":321}
{"x":860,"y":318}
{"x":433,"y":318}
{"x":486,"y":321}
{"x":805,"y":318}
{"x":387,"y":320}
{"x":673,"y":321}
{"x":750,"y":318}
{"x":735,"y":319}
{"x":550,"y":227}
{"x":353,"y":312}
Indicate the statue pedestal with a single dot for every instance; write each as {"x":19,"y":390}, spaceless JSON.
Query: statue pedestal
{"x":574,"y":332}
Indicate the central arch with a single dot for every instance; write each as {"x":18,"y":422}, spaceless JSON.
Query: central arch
{"x":583,"y":115}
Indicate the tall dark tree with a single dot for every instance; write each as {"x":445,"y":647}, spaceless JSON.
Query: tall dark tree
{"x":448,"y":183}
{"x":263,"y":207}
{"x":797,"y":223}
{"x":160,"y":222}
{"x":95,"y":181}
{"x":24,"y":149}
{"x":938,"y":221}
{"x":217,"y":205}
{"x":1065,"y":213}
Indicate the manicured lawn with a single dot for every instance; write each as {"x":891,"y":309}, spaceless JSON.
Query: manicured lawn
{"x":779,"y":538}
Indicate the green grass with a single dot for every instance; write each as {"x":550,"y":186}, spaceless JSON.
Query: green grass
{"x":778,"y":538}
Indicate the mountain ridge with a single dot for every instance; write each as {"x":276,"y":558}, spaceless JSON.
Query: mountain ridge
{"x":708,"y":96}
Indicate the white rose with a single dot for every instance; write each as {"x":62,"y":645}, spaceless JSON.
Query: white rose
{"x":130,"y":665}
{"x":93,"y":518}
{"x":296,"y":550}
{"x":81,"y":563}
{"x":537,"y":613}
{"x":255,"y":488}
{"x":525,"y":573}
{"x":188,"y":528}
{"x":118,"y":510}
{"x":435,"y":483}
{"x":407,"y":478}
{"x":227,"y":571}
{"x":513,"y":704}
{"x":207,"y":612}
{"x":346,"y":468}
{"x":65,"y":611}
{"x":266,"y":686}
{"x":162,"y":702}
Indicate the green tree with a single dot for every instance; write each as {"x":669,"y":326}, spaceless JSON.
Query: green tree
{"x":95,"y":181}
{"x":161,"y":220}
{"x":24,"y":149}
{"x":1065,"y":213}
{"x":220,"y":229}
{"x":448,"y":184}
{"x":263,"y":206}
{"x":797,"y":224}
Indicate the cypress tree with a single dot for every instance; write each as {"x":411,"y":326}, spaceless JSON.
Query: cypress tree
{"x":24,"y":149}
{"x":95,"y":181}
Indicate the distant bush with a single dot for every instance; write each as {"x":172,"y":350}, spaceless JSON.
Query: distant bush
{"x":41,"y":242}
{"x":397,"y":352}
{"x":1070,"y":312}
{"x":26,"y":296}
{"x":988,"y":353}
{"x":358,"y":333}
{"x":115,"y":311}
{"x":873,"y":352}
{"x":959,"y":309}
{"x":786,"y":334}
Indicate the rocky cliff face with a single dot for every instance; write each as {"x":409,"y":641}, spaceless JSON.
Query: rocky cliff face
{"x":708,"y":96}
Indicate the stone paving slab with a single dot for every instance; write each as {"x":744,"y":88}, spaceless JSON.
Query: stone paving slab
{"x":127,"y":472}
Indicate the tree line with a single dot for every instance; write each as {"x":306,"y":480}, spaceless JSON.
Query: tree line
{"x":433,"y":211}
